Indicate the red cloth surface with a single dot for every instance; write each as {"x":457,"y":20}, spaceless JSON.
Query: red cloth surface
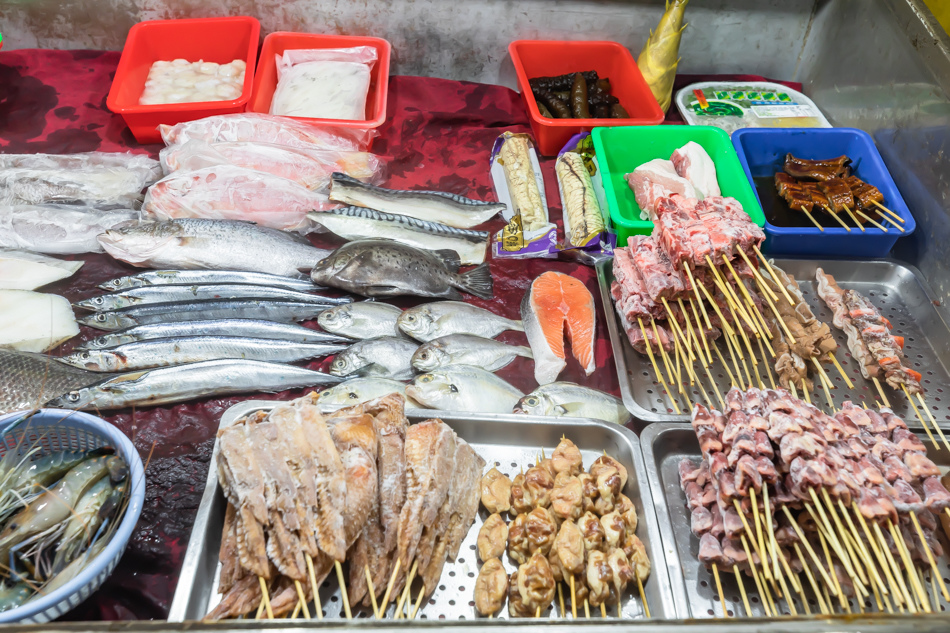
{"x":438,"y":135}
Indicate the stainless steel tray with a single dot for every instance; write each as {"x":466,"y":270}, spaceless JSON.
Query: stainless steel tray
{"x":694,"y":589}
{"x":509,"y":442}
{"x":896,"y":289}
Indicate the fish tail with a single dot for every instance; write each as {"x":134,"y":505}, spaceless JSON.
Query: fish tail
{"x":477,"y":281}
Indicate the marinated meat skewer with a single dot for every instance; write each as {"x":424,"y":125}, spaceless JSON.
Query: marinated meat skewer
{"x":817,"y":169}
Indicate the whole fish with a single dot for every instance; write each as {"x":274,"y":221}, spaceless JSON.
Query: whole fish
{"x":252,"y":328}
{"x":59,"y":229}
{"x":573,"y":401}
{"x":198,"y":277}
{"x":359,"y":390}
{"x":384,"y":268}
{"x":181,"y":294}
{"x":431,"y":206}
{"x":356,"y":223}
{"x":194,"y":349}
{"x":387,"y":356}
{"x":190,"y":382}
{"x":286,"y":311}
{"x":361,"y":320}
{"x":28,"y":381}
{"x":466,"y":349}
{"x":213,"y":245}
{"x":464,"y":388}
{"x":441,"y":318}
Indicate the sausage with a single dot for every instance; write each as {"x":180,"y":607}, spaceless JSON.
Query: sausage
{"x":579,"y":107}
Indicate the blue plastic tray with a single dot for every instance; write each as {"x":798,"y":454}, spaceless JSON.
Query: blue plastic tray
{"x":762,"y":153}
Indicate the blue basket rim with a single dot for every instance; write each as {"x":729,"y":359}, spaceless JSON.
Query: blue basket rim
{"x":116,"y":546}
{"x":902,"y":210}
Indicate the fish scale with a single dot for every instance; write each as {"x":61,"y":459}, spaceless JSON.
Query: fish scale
{"x":29,"y":380}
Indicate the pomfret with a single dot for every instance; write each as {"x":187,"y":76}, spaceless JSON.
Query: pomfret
{"x":189,"y":382}
{"x":384,"y":268}
{"x":386,"y":356}
{"x":466,"y":349}
{"x":359,"y":390}
{"x":211,"y":244}
{"x":205,"y":292}
{"x":464,"y":388}
{"x":441,"y":318}
{"x":431,"y":206}
{"x":573,"y":401}
{"x":361,"y":320}
{"x":192,"y":277}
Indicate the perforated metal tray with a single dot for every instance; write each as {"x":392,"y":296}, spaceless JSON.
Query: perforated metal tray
{"x":694,"y":590}
{"x":896,"y":289}
{"x":508,"y":442}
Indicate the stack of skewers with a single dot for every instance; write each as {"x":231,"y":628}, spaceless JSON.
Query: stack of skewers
{"x":815,"y":507}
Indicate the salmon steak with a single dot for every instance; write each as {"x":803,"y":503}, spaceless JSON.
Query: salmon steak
{"x":556,"y":302}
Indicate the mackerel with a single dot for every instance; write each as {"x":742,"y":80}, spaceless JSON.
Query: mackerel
{"x":180,"y":294}
{"x":354,"y":223}
{"x":191,"y":277}
{"x":431,"y":206}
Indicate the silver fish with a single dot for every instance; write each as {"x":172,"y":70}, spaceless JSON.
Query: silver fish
{"x":466,"y":349}
{"x":384,"y":268}
{"x":355,"y":223}
{"x":361,"y":320}
{"x":286,"y":311}
{"x":180,"y":294}
{"x":441,"y":318}
{"x":193,"y":277}
{"x":464,"y":388}
{"x":431,"y":206}
{"x":193,"y":349}
{"x":59,"y":229}
{"x":253,"y":328}
{"x":386,"y":356}
{"x":190,"y":382}
{"x":27,"y":380}
{"x":573,"y":401}
{"x":359,"y":390}
{"x":213,"y":245}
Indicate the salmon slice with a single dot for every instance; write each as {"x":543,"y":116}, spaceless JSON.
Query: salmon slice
{"x":553,"y":303}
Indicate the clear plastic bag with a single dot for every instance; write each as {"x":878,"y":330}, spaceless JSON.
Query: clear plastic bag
{"x":310,"y":168}
{"x":139,"y":163}
{"x":226,"y":192}
{"x":267,"y":128}
{"x":324,"y":83}
{"x":59,"y":229}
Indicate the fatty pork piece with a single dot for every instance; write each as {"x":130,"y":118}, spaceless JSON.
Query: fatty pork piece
{"x":538,"y":484}
{"x":592,"y":530}
{"x":536,"y":583}
{"x":491,"y":587}
{"x":492,"y":537}
{"x":657,"y":179}
{"x":693,"y":163}
{"x":567,"y":498}
{"x":568,"y":552}
{"x":519,"y":500}
{"x":567,"y":458}
{"x":530,"y":533}
{"x":496,"y":491}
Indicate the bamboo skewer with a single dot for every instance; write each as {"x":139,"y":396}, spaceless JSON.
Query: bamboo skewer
{"x":879,"y":555}
{"x":711,"y":379}
{"x":751,"y":534}
{"x":296,"y":611}
{"x":313,"y":586}
{"x":643,"y":596}
{"x":266,"y":598}
{"x":811,"y":552}
{"x":852,"y":556}
{"x":895,"y":569}
{"x":699,"y":329}
{"x":888,"y":211}
{"x":302,"y":600}
{"x":722,"y":360}
{"x":415,"y":609}
{"x":805,"y":391}
{"x":909,"y":565}
{"x":560,"y":598}
{"x":923,"y":404}
{"x":755,"y":575}
{"x":745,"y":598}
{"x":794,"y":390}
{"x":699,"y":299}
{"x":758,"y":535}
{"x":822,"y":607}
{"x":833,"y":538}
{"x":824,"y":384}
{"x":773,"y":274}
{"x":722,"y":598}
{"x":722,"y":318}
{"x":389,"y":588}
{"x":344,"y":597}
{"x":880,"y":390}
{"x":659,"y":345}
{"x":843,"y":599}
{"x":573,"y":599}
{"x":260,"y":609}
{"x":871,"y":220}
{"x":675,"y":326}
{"x":856,"y":221}
{"x":758,"y":276}
{"x":692,"y":336}
{"x":753,"y":309}
{"x":834,"y":214}
{"x":727,"y":293}
{"x":866,"y":556}
{"x":656,"y":369}
{"x":372,"y":592}
{"x":586,"y":609}
{"x":812,"y":218}
{"x":603,"y":610}
{"x":921,"y":418}
{"x":841,"y":371}
{"x":930,"y":557}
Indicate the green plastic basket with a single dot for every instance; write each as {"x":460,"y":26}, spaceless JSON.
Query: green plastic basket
{"x":620,"y":150}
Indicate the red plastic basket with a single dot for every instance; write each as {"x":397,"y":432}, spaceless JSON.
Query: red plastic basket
{"x":265,"y":80}
{"x":534,"y":58}
{"x":219,"y":40}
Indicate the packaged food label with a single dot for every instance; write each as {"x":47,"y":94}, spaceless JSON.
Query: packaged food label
{"x":735,"y":105}
{"x":780,"y":110}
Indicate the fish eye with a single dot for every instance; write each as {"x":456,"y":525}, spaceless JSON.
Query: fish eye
{"x":410,"y":318}
{"x":72,"y":396}
{"x":425,"y":378}
{"x":101,"y":318}
{"x":424,"y":355}
{"x":453,"y":389}
{"x":325,"y":394}
{"x":354,"y":396}
{"x":84,"y":355}
{"x":531,"y":402}
{"x":98,"y":300}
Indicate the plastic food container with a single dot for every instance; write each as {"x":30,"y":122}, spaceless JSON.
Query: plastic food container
{"x":219,"y":40}
{"x":762,"y":153}
{"x":265,"y":80}
{"x":620,"y":150}
{"x":59,"y":429}
{"x":533,"y":58}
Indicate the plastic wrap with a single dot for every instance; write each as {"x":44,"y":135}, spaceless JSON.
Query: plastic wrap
{"x":138,"y":163}
{"x":226,"y":192}
{"x":310,"y":168}
{"x":59,"y":229}
{"x":266,"y":128}
{"x":329,"y":83}
{"x":586,"y":221}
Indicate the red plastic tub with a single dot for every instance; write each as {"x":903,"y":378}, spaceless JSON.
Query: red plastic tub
{"x":219,"y":40}
{"x":265,"y":80}
{"x":534,"y":58}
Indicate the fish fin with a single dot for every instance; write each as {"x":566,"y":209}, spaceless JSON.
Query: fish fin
{"x":453,"y":295}
{"x":477,"y":281}
{"x":450,"y":259}
{"x":340,"y":177}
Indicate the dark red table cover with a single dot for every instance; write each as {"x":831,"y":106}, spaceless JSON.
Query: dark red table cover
{"x":438,"y":135}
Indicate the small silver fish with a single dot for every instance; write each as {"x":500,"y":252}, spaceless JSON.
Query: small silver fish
{"x":387,"y":356}
{"x":441,"y":318}
{"x":384,"y":268}
{"x":189,"y":382}
{"x":464,"y":388}
{"x":253,"y":328}
{"x":431,"y":206}
{"x":205,"y":292}
{"x":359,"y":390}
{"x":574,"y":401}
{"x":361,"y":320}
{"x":466,"y":349}
{"x":194,"y":349}
{"x":193,"y":277}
